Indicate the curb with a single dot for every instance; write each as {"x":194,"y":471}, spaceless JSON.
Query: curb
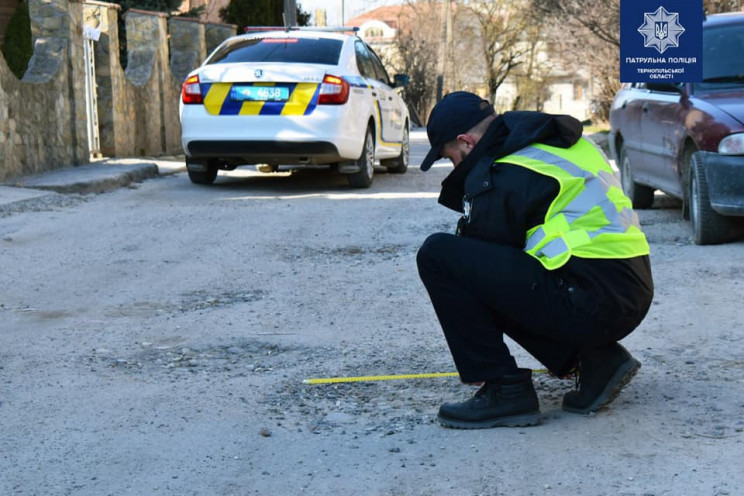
{"x":98,"y":177}
{"x":91,"y":179}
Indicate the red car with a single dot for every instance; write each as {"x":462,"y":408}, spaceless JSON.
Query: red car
{"x":687,"y":139}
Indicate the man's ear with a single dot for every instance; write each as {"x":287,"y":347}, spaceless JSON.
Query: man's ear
{"x":466,"y":139}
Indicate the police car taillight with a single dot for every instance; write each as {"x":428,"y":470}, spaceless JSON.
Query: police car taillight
{"x":333,"y":91}
{"x":190,"y":91}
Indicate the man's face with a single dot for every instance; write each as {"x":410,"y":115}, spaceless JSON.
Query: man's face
{"x":459,"y":148}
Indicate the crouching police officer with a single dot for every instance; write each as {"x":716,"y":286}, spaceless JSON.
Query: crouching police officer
{"x":548,"y":252}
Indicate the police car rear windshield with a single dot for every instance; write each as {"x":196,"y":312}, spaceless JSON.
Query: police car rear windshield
{"x":287,"y":50}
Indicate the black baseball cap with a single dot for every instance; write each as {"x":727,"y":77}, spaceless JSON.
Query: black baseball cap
{"x":455,"y":114}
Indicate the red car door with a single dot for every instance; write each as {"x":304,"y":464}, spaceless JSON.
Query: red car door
{"x":627,"y":117}
{"x":662,"y":128}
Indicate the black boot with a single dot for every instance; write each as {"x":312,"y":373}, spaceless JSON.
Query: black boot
{"x":603,"y":373}
{"x":510,"y":401}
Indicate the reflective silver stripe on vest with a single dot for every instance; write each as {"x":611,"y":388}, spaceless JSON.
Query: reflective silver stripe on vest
{"x":594,"y":194}
{"x":553,"y":248}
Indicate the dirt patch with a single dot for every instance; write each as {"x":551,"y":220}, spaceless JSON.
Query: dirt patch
{"x":236,"y":359}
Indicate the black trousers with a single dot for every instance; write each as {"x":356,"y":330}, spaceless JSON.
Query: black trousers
{"x":481,"y":291}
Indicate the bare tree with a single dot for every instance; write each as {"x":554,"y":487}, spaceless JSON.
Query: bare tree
{"x":497,"y":26}
{"x":601,"y":18}
{"x":589,"y":33}
{"x":532,"y":78}
{"x":417,"y":40}
{"x":718,"y":6}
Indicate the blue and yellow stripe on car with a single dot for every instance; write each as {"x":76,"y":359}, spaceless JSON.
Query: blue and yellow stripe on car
{"x":380,"y":120}
{"x":358,"y":82}
{"x":303,"y":98}
{"x":362,"y":82}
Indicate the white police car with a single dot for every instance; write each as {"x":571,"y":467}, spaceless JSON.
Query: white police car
{"x":293,"y":98}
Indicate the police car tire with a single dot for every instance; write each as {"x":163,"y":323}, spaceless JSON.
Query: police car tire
{"x":708,"y":226}
{"x":366,"y":163}
{"x":399,"y":164}
{"x":203,"y":177}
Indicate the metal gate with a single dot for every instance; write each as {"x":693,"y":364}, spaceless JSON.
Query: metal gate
{"x":90,"y":36}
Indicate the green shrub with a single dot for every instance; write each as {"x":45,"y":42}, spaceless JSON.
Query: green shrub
{"x":17,"y":47}
{"x":259,"y":13}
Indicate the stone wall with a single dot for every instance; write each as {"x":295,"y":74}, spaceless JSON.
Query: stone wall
{"x":217,"y":33}
{"x":147,"y":81}
{"x":188,"y":45}
{"x":42,"y":116}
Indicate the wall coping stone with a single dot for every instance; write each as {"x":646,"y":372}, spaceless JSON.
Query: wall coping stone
{"x":46,"y":59}
{"x":222,"y":24}
{"x":146,"y":12}
{"x":114,"y":6}
{"x":187,"y":19}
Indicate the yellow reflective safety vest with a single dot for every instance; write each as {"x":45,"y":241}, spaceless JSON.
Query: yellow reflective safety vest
{"x":591,"y":217}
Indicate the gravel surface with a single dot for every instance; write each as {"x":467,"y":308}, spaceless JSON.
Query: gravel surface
{"x":155,"y":339}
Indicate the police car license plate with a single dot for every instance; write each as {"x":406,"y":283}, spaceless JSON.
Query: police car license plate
{"x":260,"y":93}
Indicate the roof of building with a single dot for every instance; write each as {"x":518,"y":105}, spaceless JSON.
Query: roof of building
{"x":211,"y":12}
{"x":391,"y":15}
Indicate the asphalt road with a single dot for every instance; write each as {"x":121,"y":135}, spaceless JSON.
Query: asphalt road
{"x":154,"y":340}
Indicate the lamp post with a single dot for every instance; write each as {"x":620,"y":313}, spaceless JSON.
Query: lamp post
{"x":290,"y":13}
{"x":444,"y":47}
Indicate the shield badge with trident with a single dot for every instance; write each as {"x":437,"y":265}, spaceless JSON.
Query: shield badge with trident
{"x":661,"y":29}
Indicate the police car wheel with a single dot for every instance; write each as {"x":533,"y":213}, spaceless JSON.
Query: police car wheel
{"x":399,"y":164}
{"x":366,"y":163}
{"x":202,"y":173}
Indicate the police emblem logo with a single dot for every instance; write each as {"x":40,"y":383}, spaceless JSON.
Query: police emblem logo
{"x":661,"y":29}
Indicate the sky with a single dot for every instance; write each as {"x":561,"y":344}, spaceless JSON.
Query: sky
{"x":351,"y":8}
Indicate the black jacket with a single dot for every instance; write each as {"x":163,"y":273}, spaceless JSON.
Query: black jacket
{"x":501,"y":202}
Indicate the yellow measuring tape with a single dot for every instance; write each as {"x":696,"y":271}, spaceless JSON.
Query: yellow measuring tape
{"x":369,"y":378}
